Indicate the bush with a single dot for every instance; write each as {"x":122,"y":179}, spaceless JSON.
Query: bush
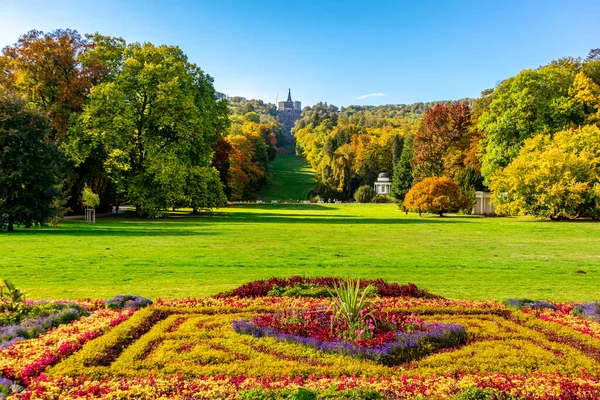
{"x":536,"y":304}
{"x":435,"y":195}
{"x":90,"y":199}
{"x":483,"y":394}
{"x":128,"y":301}
{"x":364,"y":194}
{"x":382,"y":198}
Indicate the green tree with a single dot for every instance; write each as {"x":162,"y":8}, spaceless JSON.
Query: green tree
{"x":29,"y":165}
{"x":534,"y":101}
{"x":155,"y":123}
{"x":553,"y":177}
{"x":364,"y":194}
{"x":402,"y":178}
{"x":55,"y":71}
{"x":90,"y":199}
{"x":397,"y":147}
{"x":204,"y":189}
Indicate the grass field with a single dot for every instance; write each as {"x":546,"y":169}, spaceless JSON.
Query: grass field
{"x":292,"y":179}
{"x":458,"y":257}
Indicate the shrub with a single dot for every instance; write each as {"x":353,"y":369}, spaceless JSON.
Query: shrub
{"x":128,"y":301}
{"x":591,"y":311}
{"x":483,"y":394}
{"x":301,"y":290}
{"x":382,"y":198}
{"x":536,"y":304}
{"x":364,"y":194}
{"x":90,"y":199}
{"x":435,"y":195}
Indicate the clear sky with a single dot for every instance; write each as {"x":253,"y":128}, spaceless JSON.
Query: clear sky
{"x":341,"y":52}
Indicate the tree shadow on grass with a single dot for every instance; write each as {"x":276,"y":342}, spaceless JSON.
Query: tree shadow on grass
{"x":282,"y":206}
{"x":90,"y":230}
{"x":249,"y":217}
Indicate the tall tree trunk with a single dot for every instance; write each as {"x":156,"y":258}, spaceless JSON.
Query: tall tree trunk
{"x":11,"y":227}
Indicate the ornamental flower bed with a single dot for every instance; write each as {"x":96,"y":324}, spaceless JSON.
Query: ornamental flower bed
{"x":280,"y":348}
{"x":390,"y":338}
{"x":301,"y":286}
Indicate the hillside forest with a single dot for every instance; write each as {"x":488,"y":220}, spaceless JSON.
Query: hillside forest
{"x":533,"y":141}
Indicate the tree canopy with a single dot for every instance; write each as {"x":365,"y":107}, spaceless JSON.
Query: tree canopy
{"x":29,"y":165}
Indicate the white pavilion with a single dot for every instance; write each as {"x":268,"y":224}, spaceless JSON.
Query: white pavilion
{"x":383,"y":184}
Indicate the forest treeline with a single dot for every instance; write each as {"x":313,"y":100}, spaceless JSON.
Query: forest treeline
{"x":137,"y":123}
{"x":140,"y":124}
{"x":533,"y":140}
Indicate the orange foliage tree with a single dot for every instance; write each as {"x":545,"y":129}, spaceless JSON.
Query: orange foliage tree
{"x":435,"y":195}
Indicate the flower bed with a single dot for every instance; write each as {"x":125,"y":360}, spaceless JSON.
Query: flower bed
{"x":301,"y":286}
{"x":191,"y":349}
{"x":389,"y":338}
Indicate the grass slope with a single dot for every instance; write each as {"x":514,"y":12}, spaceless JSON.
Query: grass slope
{"x":459,"y":257}
{"x":292,"y":179}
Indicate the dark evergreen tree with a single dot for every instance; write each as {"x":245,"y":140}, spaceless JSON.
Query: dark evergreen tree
{"x":397,"y":146}
{"x":29,"y":165}
{"x":402,"y":178}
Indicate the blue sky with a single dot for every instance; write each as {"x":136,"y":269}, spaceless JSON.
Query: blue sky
{"x":341,"y":52}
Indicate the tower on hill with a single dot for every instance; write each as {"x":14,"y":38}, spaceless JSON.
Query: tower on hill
{"x":288,"y":112}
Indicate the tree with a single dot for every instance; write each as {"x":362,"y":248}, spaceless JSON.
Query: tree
{"x":90,"y":199}
{"x":397,"y":147}
{"x":586,"y":94}
{"x":56,"y":71}
{"x":553,"y":177}
{"x":364,"y":194}
{"x":205,"y":189}
{"x":440,"y":143}
{"x":30,"y":165}
{"x":402,"y":179}
{"x":534,"y":101}
{"x":435,"y":195}
{"x":155,"y":123}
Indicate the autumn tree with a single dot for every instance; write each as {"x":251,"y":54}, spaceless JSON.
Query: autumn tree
{"x":586,"y":94}
{"x":555,"y":177}
{"x":439,"y":145}
{"x":154,"y":123}
{"x":29,"y":165}
{"x":56,"y":71}
{"x":434,"y":195}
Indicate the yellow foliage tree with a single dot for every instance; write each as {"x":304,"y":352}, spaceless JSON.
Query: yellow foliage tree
{"x":586,"y":93}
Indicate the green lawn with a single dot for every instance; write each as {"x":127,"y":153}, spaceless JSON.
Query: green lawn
{"x":292,"y":179}
{"x":459,"y":257}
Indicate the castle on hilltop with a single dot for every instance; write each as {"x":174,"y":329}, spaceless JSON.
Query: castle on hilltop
{"x":288,"y":113}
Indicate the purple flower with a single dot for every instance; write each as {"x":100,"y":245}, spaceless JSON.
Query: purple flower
{"x":405,"y":347}
{"x":36,"y":326}
{"x":127,"y":301}
{"x":589,"y":310}
{"x":5,"y":387}
{"x":535,"y":304}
